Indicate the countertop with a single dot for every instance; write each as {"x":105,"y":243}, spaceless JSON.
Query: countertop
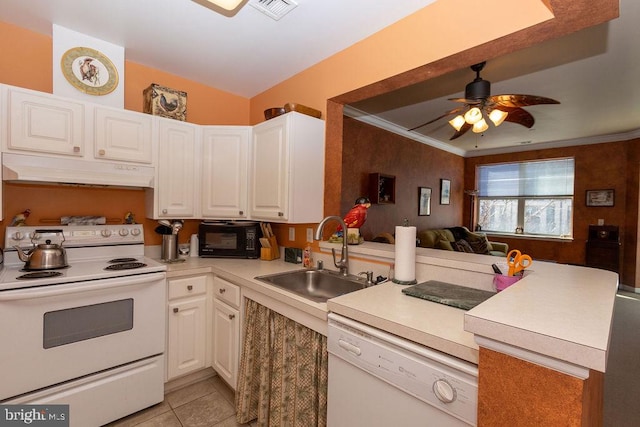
{"x":560,"y":311}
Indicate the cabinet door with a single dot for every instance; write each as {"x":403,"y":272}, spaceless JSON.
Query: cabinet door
{"x":177,"y":185}
{"x":269,"y":170}
{"x":186,"y":336}
{"x":226,"y":333}
{"x":42,"y":123}
{"x":225,"y":157}
{"x":122,"y":135}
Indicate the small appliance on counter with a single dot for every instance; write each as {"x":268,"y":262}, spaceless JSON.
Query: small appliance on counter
{"x":229,"y":239}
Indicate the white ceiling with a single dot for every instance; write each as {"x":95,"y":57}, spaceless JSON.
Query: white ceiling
{"x":594,"y":73}
{"x":245,"y":54}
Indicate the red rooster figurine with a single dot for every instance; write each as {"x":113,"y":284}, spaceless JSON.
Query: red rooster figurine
{"x":356,"y":217}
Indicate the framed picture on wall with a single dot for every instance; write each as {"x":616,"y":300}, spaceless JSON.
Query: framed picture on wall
{"x":445,"y":191}
{"x":424,"y":201}
{"x":600,"y":197}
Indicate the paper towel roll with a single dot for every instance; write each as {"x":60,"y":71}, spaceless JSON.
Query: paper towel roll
{"x":405,"y":268}
{"x":194,"y":246}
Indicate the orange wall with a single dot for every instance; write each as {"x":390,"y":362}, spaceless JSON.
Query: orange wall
{"x":436,"y":31}
{"x":27,"y":62}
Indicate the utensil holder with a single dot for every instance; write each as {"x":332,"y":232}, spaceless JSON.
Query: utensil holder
{"x":271,"y":253}
{"x":502,"y":282}
{"x":169,"y":250}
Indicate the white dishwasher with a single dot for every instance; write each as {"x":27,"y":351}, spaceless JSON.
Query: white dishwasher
{"x":379,"y":379}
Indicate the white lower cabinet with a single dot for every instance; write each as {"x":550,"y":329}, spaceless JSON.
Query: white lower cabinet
{"x":226,"y":330}
{"x":187,"y":325}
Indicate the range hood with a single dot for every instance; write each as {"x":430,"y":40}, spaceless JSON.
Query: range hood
{"x":29,"y":168}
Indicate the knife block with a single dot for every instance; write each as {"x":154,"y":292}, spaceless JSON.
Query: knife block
{"x":269,"y":254}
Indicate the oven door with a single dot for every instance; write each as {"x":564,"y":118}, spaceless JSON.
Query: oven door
{"x":61,"y":332}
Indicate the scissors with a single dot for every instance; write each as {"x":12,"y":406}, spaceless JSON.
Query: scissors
{"x":517,"y":262}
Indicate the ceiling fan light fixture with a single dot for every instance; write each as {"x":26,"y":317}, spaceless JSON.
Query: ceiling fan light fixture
{"x":497,"y":117}
{"x":480,"y":126}
{"x":473,"y":116}
{"x":457,"y":122}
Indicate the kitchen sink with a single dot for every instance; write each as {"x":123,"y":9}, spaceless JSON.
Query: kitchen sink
{"x":317,"y":285}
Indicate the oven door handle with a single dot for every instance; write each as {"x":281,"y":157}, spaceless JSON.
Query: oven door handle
{"x":86,"y":286}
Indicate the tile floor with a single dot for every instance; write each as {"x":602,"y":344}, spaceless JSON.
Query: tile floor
{"x":207,"y":403}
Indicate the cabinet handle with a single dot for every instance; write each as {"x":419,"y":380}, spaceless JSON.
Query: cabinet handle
{"x":280,"y":213}
{"x":175,"y":310}
{"x":241,"y":213}
{"x":164,"y":211}
{"x":222,"y":290}
{"x":76,"y":149}
{"x":101,"y":152}
{"x":232,"y":316}
{"x":190,"y":287}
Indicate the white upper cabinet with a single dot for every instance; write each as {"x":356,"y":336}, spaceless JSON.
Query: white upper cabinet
{"x":122,"y":135}
{"x":287,"y":169}
{"x":46,"y":124}
{"x":175,"y":193}
{"x":225,"y":157}
{"x":39,"y":122}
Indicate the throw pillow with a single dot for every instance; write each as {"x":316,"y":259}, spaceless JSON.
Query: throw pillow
{"x":445,"y":244}
{"x":462,"y":246}
{"x":480,"y":246}
{"x":471,"y":237}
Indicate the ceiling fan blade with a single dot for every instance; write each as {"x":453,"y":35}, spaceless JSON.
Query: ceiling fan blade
{"x":464,"y":129}
{"x":515,"y":101}
{"x":448,"y":113}
{"x":466,"y":101}
{"x":520,"y":116}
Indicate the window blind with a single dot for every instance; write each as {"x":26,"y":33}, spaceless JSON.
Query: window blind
{"x":527,"y":179}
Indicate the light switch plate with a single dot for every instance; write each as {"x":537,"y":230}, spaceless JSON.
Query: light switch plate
{"x":309,"y":235}
{"x":292,"y":233}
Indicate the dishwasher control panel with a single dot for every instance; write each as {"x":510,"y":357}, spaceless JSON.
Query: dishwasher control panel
{"x":438,"y":379}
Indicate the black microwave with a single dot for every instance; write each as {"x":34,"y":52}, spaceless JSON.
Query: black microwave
{"x":229,"y":239}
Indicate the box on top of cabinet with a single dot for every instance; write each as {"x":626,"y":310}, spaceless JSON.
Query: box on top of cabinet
{"x":165,"y":102}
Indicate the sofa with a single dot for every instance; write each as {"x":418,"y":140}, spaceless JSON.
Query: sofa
{"x":460,"y":239}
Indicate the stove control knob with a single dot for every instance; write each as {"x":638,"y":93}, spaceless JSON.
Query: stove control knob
{"x":106,"y":233}
{"x":18,"y":235}
{"x":123,"y":232}
{"x":135,"y":232}
{"x":444,"y":391}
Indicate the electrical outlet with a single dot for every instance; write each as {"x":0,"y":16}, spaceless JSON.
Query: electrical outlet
{"x":309,"y":234}
{"x":292,"y":233}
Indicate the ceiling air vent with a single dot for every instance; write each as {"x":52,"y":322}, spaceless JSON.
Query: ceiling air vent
{"x":275,"y":9}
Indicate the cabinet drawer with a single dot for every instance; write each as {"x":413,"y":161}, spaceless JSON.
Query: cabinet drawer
{"x":188,"y":286}
{"x":226,"y":291}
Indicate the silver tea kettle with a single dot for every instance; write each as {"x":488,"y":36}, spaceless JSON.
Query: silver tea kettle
{"x":44,"y":256}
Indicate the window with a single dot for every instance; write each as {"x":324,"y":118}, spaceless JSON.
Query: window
{"x":534,"y":198}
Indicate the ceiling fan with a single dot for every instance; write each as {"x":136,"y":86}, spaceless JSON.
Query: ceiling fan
{"x":479,"y":103}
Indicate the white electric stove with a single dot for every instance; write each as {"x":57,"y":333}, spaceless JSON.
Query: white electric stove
{"x":93,"y":252}
{"x":90,"y":335}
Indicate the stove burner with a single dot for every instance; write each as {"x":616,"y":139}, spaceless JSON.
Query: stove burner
{"x":39,"y":275}
{"x":119,"y":260}
{"x":126,"y":266}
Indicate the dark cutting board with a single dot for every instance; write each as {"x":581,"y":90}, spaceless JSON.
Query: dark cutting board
{"x":448,"y":294}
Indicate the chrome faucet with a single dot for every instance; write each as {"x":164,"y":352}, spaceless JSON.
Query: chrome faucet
{"x":343,"y":264}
